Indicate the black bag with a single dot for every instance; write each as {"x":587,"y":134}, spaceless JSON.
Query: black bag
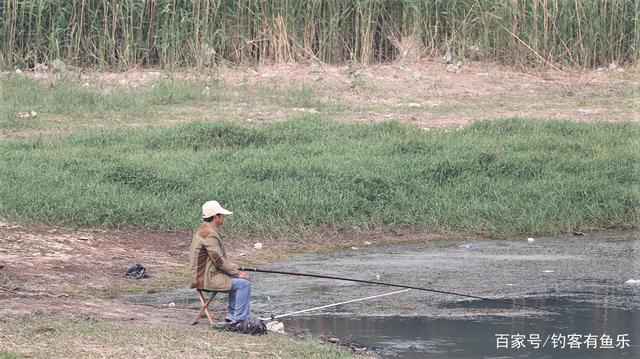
{"x":250,"y":325}
{"x":137,"y":271}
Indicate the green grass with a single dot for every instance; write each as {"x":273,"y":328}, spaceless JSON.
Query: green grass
{"x":497,"y":177}
{"x":40,"y":337}
{"x":67,"y":98}
{"x":8,"y":355}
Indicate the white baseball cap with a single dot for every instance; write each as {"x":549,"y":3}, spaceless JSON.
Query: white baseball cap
{"x":211,"y":208}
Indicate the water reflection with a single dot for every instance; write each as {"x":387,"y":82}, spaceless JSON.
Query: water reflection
{"x":478,"y":337}
{"x":580,"y":276}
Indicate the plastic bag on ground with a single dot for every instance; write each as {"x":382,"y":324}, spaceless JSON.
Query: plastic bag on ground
{"x":250,"y":325}
{"x":137,"y":271}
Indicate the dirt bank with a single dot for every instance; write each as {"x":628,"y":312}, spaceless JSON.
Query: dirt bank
{"x":57,"y":271}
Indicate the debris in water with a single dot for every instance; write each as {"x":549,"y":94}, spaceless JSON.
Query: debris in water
{"x":355,"y":248}
{"x":467,"y":245}
{"x":350,"y":343}
{"x":548,"y":271}
{"x":367,"y":243}
{"x":632,"y":282}
{"x":530,"y":240}
{"x":331,"y":339}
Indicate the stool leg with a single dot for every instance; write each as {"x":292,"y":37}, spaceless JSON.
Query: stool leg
{"x":204,"y":307}
{"x":196,"y":319}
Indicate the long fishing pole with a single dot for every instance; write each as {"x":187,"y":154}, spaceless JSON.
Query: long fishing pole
{"x":259,"y":270}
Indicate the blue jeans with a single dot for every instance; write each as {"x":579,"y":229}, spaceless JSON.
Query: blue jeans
{"x":239,"y":299}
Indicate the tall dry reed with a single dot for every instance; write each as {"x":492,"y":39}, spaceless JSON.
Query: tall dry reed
{"x":199,"y":33}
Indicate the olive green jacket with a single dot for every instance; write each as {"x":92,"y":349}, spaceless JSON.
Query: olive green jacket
{"x":209,"y":267}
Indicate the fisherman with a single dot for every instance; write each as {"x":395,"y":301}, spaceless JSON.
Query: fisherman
{"x":209,"y":268}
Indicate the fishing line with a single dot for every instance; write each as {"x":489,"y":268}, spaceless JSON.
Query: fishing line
{"x":259,"y":270}
{"x":334,"y":305}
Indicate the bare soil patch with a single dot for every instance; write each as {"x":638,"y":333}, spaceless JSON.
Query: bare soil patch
{"x":427,"y":93}
{"x":58,"y":271}
{"x":80,"y":273}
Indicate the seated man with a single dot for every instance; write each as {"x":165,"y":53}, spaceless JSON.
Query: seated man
{"x":209,"y":268}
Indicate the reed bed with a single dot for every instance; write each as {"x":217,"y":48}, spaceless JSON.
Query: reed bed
{"x":123,"y":34}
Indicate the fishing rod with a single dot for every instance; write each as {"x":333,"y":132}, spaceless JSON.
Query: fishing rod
{"x":259,"y":270}
{"x":334,"y":305}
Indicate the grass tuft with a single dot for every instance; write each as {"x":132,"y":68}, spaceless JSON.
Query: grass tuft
{"x":66,"y":97}
{"x":498,"y":177}
{"x":39,"y":337}
{"x":8,"y":355}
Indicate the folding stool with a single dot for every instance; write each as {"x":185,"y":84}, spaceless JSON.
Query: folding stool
{"x":204,"y":305}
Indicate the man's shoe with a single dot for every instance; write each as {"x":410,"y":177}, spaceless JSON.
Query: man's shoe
{"x":237,"y":326}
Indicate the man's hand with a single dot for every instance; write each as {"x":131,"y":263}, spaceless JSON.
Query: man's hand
{"x":244,"y":275}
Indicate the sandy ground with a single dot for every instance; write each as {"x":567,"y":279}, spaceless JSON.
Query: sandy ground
{"x":432,"y":94}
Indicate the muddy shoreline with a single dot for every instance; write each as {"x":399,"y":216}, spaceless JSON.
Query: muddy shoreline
{"x":79,"y":273}
{"x":573,"y":277}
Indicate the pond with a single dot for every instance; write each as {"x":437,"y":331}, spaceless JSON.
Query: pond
{"x":582,"y":280}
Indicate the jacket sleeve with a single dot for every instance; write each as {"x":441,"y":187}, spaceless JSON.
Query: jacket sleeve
{"x":212,"y":246}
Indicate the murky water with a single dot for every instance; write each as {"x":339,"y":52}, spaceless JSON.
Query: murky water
{"x":583,"y":277}
{"x":550,"y":336}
